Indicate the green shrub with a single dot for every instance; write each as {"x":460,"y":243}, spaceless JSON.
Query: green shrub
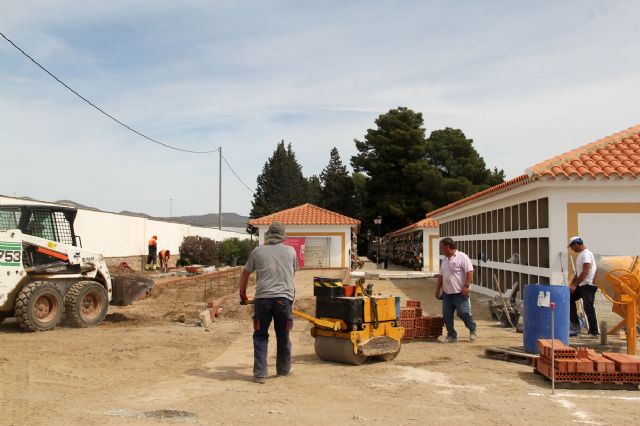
{"x":235,"y":248}
{"x":198,"y":250}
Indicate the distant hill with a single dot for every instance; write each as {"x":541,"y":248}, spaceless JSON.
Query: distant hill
{"x":233,"y":220}
{"x":229,"y":220}
{"x":74,"y":204}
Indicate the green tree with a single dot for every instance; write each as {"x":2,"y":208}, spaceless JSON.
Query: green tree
{"x":280,"y":185}
{"x":398,"y":177}
{"x":463,"y":169}
{"x":408,"y":175}
{"x":337,"y":186}
{"x":314,"y":190}
{"x":359,"y":195}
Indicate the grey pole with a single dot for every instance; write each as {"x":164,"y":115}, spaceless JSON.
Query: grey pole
{"x":220,"y":188}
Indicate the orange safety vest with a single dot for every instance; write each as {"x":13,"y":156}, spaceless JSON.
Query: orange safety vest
{"x":153,"y":242}
{"x":163,"y":253}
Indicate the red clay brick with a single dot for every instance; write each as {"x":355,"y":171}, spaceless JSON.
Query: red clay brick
{"x":602,"y":364}
{"x":409,"y":334}
{"x":624,"y":363}
{"x":413,"y":304}
{"x":565,"y":366}
{"x":583,"y":365}
{"x":408,"y":323}
{"x":583,"y":353}
{"x":407,"y":313}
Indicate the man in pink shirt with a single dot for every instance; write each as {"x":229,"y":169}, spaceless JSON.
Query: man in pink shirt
{"x":456,"y":274}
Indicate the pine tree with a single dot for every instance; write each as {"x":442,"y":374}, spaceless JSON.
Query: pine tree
{"x":314,"y":190}
{"x":408,"y":175}
{"x":337,"y":186}
{"x":280,"y":185}
{"x":398,"y":177}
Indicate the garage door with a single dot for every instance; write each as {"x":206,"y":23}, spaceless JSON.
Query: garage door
{"x":316,"y":252}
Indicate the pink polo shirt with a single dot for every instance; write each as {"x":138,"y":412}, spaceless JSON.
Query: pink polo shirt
{"x":453,"y":270}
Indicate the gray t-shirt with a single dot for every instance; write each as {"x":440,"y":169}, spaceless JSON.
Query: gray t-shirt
{"x":275,"y":265}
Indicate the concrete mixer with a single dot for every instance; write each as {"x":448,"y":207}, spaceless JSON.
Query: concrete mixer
{"x":618,"y":277}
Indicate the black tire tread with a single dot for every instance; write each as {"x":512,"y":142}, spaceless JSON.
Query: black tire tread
{"x":71,"y":301}
{"x":21,"y":307}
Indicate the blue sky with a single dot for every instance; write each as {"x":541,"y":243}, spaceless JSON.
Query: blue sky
{"x":525,"y":80}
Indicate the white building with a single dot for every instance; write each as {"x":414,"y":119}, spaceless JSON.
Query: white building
{"x":326,"y":234}
{"x":420,"y":238}
{"x":120,"y":237}
{"x":523,"y":225}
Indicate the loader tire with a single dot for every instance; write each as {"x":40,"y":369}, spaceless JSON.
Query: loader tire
{"x":38,"y":306}
{"x":4,"y":316}
{"x":86,"y":304}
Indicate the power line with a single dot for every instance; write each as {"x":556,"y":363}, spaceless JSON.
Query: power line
{"x":100,"y":109}
{"x":237,"y":177}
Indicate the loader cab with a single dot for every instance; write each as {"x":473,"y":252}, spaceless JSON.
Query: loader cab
{"x":53,"y":223}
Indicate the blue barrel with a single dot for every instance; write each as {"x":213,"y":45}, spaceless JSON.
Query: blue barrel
{"x":537,"y":319}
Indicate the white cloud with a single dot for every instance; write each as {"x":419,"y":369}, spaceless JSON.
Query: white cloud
{"x":525,"y":82}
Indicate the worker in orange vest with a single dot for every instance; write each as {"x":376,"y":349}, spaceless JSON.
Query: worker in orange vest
{"x":164,"y":256}
{"x":153,"y":252}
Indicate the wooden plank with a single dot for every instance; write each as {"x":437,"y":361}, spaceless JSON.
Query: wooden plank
{"x":511,"y":354}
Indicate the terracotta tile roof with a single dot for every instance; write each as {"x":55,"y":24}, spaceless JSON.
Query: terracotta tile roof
{"x":504,"y":186}
{"x":306,"y":214}
{"x":423,"y":224}
{"x":615,"y":156}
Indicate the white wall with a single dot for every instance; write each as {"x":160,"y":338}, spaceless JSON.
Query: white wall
{"x":116,"y":235}
{"x":335,"y":247}
{"x":604,"y":233}
{"x":435,"y":249}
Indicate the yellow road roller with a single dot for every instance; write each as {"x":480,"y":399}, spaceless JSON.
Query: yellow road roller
{"x":353,"y":329}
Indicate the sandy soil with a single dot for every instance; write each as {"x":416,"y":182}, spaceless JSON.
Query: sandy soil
{"x":142,"y":367}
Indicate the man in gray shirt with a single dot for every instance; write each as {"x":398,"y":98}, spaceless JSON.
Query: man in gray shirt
{"x":275,"y":265}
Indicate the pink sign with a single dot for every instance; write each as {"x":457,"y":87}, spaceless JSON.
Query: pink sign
{"x":298,"y":246}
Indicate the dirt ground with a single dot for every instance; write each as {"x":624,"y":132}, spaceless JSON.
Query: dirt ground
{"x":142,"y":367}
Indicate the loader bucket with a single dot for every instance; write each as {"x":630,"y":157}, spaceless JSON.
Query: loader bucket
{"x":129,"y":287}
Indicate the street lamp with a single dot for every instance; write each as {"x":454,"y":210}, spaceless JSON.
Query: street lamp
{"x":378,"y":221}
{"x":369,"y":235}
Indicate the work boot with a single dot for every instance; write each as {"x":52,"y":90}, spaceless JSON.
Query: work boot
{"x":473,"y":336}
{"x":261,"y":380}
{"x":450,"y":339}
{"x":290,"y":372}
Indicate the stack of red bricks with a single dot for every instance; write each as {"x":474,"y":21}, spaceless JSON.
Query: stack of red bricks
{"x":417,"y":326}
{"x":584,"y":365}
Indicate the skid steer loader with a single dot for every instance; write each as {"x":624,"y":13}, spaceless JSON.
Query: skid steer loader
{"x":44,"y":271}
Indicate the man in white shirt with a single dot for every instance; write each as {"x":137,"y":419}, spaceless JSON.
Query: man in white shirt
{"x":456,"y":274}
{"x":582,"y":286}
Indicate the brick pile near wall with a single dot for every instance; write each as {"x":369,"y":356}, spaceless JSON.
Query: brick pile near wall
{"x":584,"y":365}
{"x":417,"y":326}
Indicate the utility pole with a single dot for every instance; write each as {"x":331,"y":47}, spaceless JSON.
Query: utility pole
{"x":220,"y":188}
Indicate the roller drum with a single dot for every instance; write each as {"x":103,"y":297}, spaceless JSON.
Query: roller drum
{"x":334,"y":349}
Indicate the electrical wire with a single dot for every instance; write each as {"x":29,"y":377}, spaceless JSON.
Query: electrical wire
{"x":124,"y":124}
{"x":237,"y":177}
{"x":100,"y":109}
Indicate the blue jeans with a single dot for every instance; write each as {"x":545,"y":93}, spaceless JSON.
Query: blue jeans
{"x":457,"y":302}
{"x":279,"y":310}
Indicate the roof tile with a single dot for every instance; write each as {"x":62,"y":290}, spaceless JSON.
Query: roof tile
{"x":422,"y":224}
{"x":614,"y":156}
{"x":306,"y":214}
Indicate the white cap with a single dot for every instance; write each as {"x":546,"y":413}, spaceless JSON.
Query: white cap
{"x":574,"y":240}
